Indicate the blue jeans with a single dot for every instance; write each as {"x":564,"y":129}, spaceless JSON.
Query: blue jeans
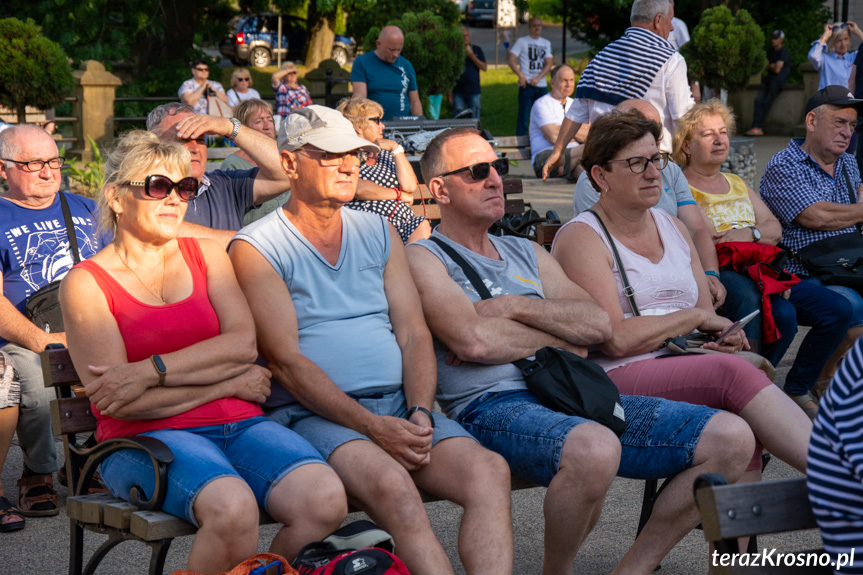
{"x":851,"y":295}
{"x":327,"y":435}
{"x":526,"y":97}
{"x":464,"y":102}
{"x":659,"y":440}
{"x":256,"y":450}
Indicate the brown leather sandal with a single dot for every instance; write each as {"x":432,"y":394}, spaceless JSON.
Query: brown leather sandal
{"x":36,"y":496}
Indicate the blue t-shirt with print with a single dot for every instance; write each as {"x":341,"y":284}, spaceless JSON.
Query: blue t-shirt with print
{"x":34,"y":245}
{"x":387,"y":84}
{"x":223,"y":199}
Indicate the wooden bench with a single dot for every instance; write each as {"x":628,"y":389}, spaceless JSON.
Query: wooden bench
{"x":751,"y":509}
{"x":518,"y":148}
{"x":101,"y":513}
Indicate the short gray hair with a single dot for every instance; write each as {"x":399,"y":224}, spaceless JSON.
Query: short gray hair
{"x":646,"y":10}
{"x":158,"y":115}
{"x":9,"y":147}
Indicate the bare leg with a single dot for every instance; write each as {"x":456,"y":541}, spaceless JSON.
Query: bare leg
{"x":422,"y":232}
{"x":228,"y":515}
{"x":573,"y":503}
{"x":310,"y":503}
{"x":378,"y":485}
{"x":725,"y":447}
{"x":781,"y":426}
{"x":833,"y":363}
{"x":479,"y":480}
{"x":8,"y":421}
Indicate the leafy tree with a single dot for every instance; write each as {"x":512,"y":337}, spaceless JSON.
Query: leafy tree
{"x":367,"y":14}
{"x":434,"y":47}
{"x":34,"y":71}
{"x":726,"y":49}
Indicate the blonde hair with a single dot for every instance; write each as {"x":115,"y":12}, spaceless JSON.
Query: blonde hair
{"x":835,"y":36}
{"x":235,"y":75}
{"x":686,"y":126}
{"x":133,"y":154}
{"x":359,"y":110}
{"x":248,"y":108}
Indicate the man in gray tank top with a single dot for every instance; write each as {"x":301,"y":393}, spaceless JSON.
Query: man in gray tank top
{"x":534,"y":305}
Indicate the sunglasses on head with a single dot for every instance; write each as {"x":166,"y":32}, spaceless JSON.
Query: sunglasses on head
{"x":481,"y":171}
{"x":840,"y":26}
{"x":160,"y":187}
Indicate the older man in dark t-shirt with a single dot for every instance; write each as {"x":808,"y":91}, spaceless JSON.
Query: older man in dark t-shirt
{"x":466,"y":92}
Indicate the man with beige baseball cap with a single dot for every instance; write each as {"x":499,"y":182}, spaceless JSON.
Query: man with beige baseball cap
{"x":340,"y":324}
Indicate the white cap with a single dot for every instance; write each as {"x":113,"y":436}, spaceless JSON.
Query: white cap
{"x":323,"y":128}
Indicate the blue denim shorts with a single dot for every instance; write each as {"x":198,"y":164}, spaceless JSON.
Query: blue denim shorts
{"x":326,"y":436}
{"x":659,"y":441}
{"x":256,"y":450}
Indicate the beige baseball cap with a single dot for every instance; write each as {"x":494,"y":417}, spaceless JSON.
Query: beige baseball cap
{"x":323,"y":128}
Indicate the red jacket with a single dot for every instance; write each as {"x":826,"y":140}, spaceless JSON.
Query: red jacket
{"x":765,"y":265}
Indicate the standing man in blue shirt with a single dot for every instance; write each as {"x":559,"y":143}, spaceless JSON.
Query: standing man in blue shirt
{"x":466,"y":92}
{"x":386,"y":77}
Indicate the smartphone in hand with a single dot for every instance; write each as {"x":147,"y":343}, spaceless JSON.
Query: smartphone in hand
{"x":736,"y":326}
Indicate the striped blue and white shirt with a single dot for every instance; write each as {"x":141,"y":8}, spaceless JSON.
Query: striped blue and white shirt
{"x":835,"y":466}
{"x":793,"y":181}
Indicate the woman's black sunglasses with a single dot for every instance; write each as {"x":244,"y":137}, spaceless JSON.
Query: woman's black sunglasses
{"x":160,"y":187}
{"x":479,"y":172}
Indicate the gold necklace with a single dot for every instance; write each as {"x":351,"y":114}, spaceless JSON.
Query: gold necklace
{"x":151,"y":292}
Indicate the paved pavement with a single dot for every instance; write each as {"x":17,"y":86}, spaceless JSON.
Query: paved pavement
{"x":42,"y":547}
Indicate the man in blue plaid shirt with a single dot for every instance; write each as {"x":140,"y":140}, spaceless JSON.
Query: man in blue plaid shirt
{"x":807,"y":187}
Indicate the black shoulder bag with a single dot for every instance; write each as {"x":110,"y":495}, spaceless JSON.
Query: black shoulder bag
{"x":837,"y":260}
{"x":561,"y":380}
{"x":43,"y":307}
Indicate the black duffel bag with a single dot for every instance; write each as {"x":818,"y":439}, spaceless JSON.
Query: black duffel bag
{"x":570,"y":384}
{"x":43,"y":307}
{"x":837,"y":260}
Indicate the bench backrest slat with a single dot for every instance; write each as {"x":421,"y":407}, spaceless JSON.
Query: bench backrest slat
{"x":730,"y":511}
{"x":72,"y":415}
{"x":57,"y":368}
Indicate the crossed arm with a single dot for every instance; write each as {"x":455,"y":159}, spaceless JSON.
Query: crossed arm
{"x":507,"y":327}
{"x":208,"y":370}
{"x":409,"y":442}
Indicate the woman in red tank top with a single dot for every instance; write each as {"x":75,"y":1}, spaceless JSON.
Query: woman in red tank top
{"x":164,"y":342}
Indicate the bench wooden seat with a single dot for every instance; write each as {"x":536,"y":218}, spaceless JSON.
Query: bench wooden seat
{"x":751,"y":509}
{"x":139,"y":520}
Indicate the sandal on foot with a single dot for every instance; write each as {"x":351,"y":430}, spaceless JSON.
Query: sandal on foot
{"x":36,"y":496}
{"x":802,"y":400}
{"x":8,"y":511}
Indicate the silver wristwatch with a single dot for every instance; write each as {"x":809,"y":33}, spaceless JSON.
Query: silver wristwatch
{"x":756,"y":234}
{"x":236,"y":129}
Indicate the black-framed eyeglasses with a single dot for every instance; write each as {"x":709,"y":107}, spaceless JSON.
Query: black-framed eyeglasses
{"x":202,"y":69}
{"x":639,"y":163}
{"x":481,"y":171}
{"x":337,"y":159}
{"x":37,"y":165}
{"x":244,"y":79}
{"x":160,"y":187}
{"x":377,"y":120}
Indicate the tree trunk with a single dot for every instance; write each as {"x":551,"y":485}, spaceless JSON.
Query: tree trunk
{"x":321,"y":35}
{"x":22,"y":114}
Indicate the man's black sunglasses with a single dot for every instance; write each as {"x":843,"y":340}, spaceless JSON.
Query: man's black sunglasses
{"x":160,"y":187}
{"x":479,"y":172}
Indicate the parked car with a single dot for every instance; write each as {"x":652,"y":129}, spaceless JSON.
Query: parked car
{"x":252,"y":39}
{"x":485,"y":12}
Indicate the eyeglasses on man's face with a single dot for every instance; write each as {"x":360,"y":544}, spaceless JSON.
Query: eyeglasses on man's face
{"x":202,"y":69}
{"x":639,"y":163}
{"x":37,"y":165}
{"x":482,"y":170}
{"x":336,"y":159}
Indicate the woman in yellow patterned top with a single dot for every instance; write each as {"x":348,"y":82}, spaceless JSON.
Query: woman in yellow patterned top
{"x":737,"y":214}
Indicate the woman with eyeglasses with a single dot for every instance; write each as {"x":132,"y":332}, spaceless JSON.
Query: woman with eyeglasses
{"x":670,"y":292}
{"x":735,"y":213}
{"x":830,"y":56}
{"x":290,"y":94}
{"x":164,"y":342}
{"x":241,"y":87}
{"x":387,"y":181}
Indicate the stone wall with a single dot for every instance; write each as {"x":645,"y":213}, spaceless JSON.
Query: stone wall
{"x":741,"y":160}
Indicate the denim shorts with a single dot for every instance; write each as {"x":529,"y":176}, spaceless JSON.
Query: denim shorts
{"x":659,"y":441}
{"x":256,"y":450}
{"x":326,"y":436}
